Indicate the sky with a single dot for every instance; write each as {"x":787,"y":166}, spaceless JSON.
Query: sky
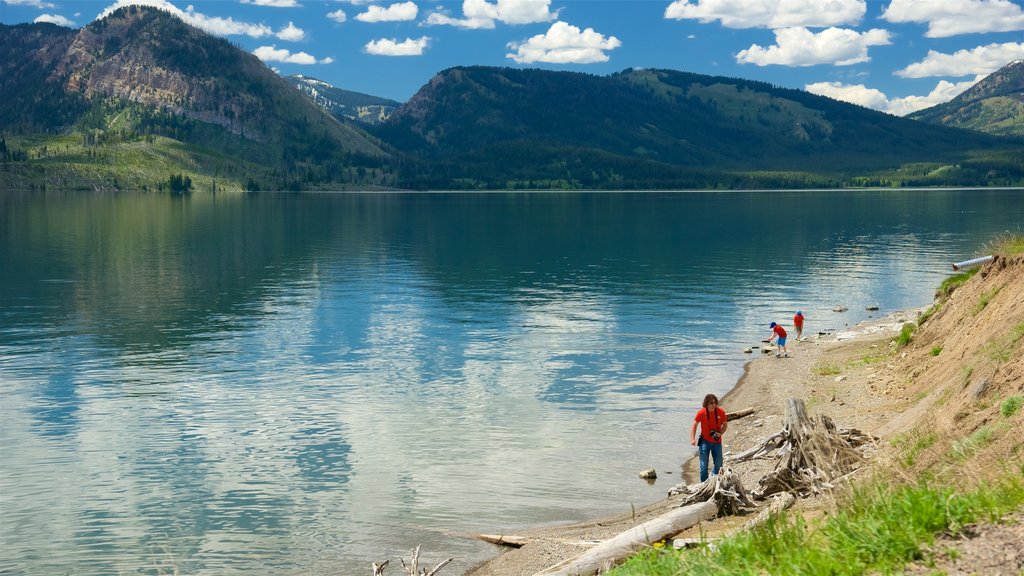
{"x":896,"y":56}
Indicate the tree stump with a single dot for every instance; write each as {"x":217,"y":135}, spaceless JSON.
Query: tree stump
{"x":813,"y":454}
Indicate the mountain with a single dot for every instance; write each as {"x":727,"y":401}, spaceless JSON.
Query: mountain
{"x":141,"y":74}
{"x":994,"y":105}
{"x":345,"y":104}
{"x":504,"y":127}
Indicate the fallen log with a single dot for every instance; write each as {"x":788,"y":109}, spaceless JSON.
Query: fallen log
{"x":503,"y":540}
{"x":739,"y":414}
{"x":614,"y":550}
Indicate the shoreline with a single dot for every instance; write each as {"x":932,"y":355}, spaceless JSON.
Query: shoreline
{"x":765,"y":384}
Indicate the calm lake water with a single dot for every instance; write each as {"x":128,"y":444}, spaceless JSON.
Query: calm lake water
{"x":305,"y":383}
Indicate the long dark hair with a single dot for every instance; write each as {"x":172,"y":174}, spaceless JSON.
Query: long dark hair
{"x":709,"y":399}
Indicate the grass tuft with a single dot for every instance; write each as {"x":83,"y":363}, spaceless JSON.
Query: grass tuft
{"x":827,"y":370}
{"x":906,"y":334}
{"x":936,"y":350}
{"x":1011,"y":406}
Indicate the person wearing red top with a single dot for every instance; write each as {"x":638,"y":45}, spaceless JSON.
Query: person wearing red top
{"x":798,"y":323}
{"x":713,"y":423}
{"x":778,"y":333}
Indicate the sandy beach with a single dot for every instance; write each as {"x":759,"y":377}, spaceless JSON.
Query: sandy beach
{"x":852,"y":400}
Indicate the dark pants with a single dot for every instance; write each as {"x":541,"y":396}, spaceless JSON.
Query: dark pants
{"x":715,"y":450}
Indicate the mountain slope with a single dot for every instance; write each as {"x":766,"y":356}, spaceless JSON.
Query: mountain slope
{"x":142,"y":72}
{"x":994,"y":105}
{"x":499,"y":124}
{"x":344,"y":104}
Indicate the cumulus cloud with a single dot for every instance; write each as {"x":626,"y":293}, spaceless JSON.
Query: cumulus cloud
{"x":479,"y":14}
{"x":394,"y":13}
{"x":338,"y":16}
{"x":273,"y":3}
{"x":214,"y":25}
{"x":291,"y":33}
{"x":980,"y":60}
{"x":274,"y":54}
{"x":33,"y":3}
{"x":871,"y":98}
{"x":564,"y":44}
{"x":55,"y":19}
{"x":769,"y":13}
{"x":388,"y":47}
{"x":952,"y":17}
{"x":801,"y":47}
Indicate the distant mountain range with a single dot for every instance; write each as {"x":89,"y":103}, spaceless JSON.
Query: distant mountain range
{"x":345,"y":104}
{"x":995,"y":105}
{"x":143,"y":100}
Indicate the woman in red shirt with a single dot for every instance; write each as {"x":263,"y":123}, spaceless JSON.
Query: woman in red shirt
{"x":713,"y":423}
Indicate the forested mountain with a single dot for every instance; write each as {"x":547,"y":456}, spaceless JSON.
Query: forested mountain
{"x":994,"y":105}
{"x":657,"y":128}
{"x":141,"y":73}
{"x":141,"y":99}
{"x":345,"y":104}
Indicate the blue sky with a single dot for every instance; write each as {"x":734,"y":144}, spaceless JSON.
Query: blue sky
{"x":892,"y":55}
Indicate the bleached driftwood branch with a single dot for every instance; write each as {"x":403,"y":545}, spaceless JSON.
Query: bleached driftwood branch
{"x":614,"y":550}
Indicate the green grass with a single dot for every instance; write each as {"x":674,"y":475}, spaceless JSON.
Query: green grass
{"x":906,"y":334}
{"x":965,"y":447}
{"x":1007,"y":245}
{"x":879,"y":528}
{"x":924,"y":316}
{"x":827,"y":370}
{"x":912,"y":445}
{"x":1000,"y":349}
{"x":953,"y":282}
{"x":1011,"y":405}
{"x":935,"y":351}
{"x":985,"y":298}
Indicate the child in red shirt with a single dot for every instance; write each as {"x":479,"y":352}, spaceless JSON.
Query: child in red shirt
{"x":778,"y":333}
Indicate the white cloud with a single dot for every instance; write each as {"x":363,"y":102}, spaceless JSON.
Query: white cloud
{"x":273,"y":3}
{"x":357,"y":2}
{"x":55,"y":19}
{"x":801,"y":47}
{"x":564,"y":44}
{"x":273,"y":54}
{"x":386,"y":47}
{"x":338,"y":16}
{"x":952,"y":17}
{"x":856,"y":94}
{"x":479,"y":14}
{"x":394,"y":13}
{"x":980,"y":60}
{"x":213,"y":25}
{"x":291,"y":33}
{"x":33,"y":3}
{"x":871,"y":98}
{"x":769,"y":13}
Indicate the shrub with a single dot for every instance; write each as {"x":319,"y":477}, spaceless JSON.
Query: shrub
{"x":936,"y":350}
{"x":1011,"y":405}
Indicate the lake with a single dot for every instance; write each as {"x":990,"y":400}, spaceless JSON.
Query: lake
{"x":306,"y":383}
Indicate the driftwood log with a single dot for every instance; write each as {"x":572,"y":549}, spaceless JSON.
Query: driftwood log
{"x":612,"y":551}
{"x":813,"y":454}
{"x":739,"y":414}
